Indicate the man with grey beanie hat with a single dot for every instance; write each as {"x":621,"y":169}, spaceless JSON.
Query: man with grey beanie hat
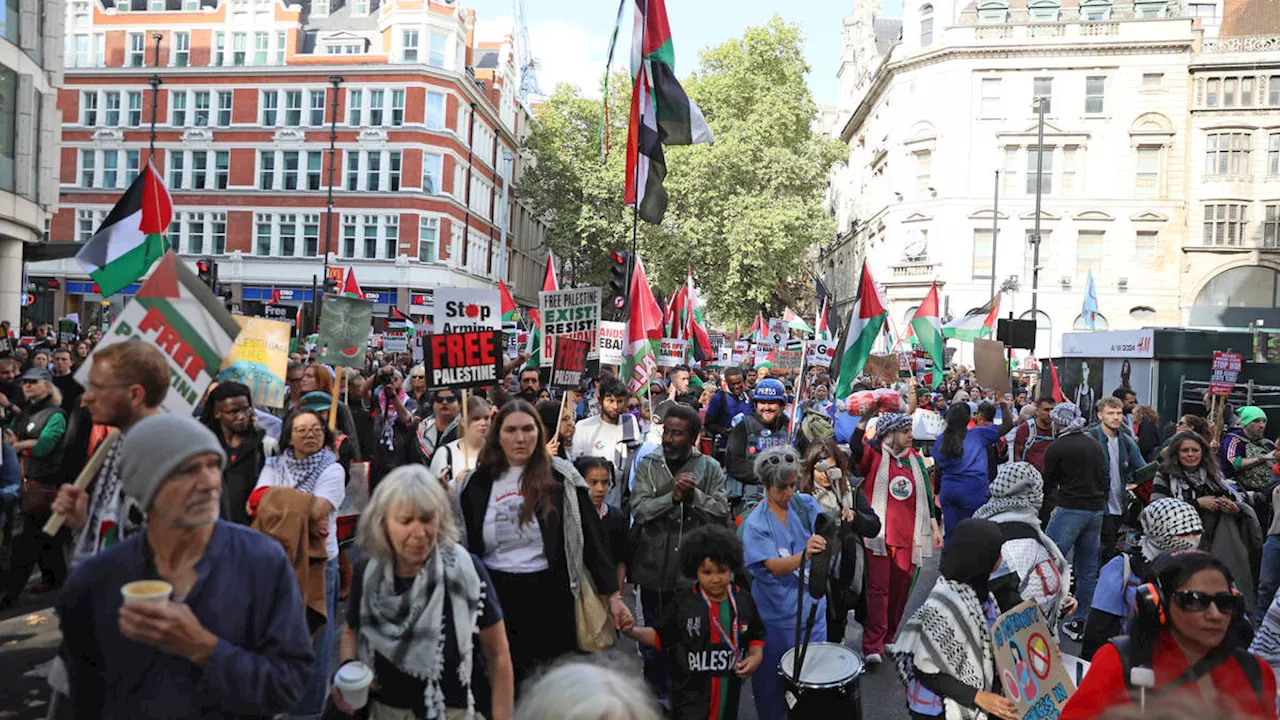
{"x":231,"y":640}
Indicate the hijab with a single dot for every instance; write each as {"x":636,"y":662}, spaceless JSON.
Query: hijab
{"x":971,"y":554}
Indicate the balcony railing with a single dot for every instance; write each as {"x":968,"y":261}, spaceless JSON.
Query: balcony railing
{"x":918,"y":270}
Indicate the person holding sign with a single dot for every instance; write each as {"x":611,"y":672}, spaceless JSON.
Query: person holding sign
{"x":460,"y":456}
{"x":943,"y":652}
{"x":1188,"y":640}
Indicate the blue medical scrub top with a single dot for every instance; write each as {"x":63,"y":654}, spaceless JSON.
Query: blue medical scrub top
{"x":766,"y":537}
{"x":965,"y":479}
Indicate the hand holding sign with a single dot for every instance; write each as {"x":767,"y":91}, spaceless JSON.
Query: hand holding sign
{"x":466,"y":359}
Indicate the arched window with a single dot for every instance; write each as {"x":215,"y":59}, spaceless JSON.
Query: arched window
{"x":926,"y":26}
{"x":1044,"y":333}
{"x":1044,"y":11}
{"x":1099,"y":324}
{"x":907,"y":316}
{"x":1095,"y":10}
{"x":993,"y":12}
{"x":1238,"y":297}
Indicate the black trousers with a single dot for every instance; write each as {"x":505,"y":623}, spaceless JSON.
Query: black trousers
{"x":540,"y":618}
{"x":30,"y":547}
{"x":1109,"y":545}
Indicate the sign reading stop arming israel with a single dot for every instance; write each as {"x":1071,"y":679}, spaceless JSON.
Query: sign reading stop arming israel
{"x":575,"y":313}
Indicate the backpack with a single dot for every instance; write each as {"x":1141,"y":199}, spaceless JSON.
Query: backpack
{"x":1248,"y":665}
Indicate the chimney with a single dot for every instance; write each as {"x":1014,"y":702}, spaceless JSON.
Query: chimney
{"x":469,"y":20}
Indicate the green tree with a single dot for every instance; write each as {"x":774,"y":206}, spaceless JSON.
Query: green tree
{"x":743,"y":211}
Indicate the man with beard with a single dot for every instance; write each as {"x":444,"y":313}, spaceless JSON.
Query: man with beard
{"x":439,"y":427}
{"x":530,"y":384}
{"x":613,"y":435}
{"x":231,"y":640}
{"x":675,"y":492}
{"x":229,"y":414}
{"x":11,"y":397}
{"x":766,"y":427}
{"x":65,"y":381}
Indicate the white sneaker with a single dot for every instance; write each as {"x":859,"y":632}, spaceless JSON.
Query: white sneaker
{"x":874,"y":659}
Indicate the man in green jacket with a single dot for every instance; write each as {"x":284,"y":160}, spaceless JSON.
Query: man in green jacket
{"x":675,"y":492}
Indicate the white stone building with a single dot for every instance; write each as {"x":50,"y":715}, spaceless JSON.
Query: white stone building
{"x":932,"y":120}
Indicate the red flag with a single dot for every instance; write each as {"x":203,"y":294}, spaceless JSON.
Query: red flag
{"x":508,"y":306}
{"x":396,"y":314}
{"x":157,"y":206}
{"x":550,"y":282}
{"x":350,"y":287}
{"x":1057,"y":387}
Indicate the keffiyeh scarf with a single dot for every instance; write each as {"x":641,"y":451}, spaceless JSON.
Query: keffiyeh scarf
{"x":1162,"y":521}
{"x":1067,"y":416}
{"x":891,"y":422}
{"x":923,"y":532}
{"x":113,"y":516}
{"x":1188,"y":485}
{"x":948,"y":634}
{"x":302,"y":473}
{"x":408,"y":630}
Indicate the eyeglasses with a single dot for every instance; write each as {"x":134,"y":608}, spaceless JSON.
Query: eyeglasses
{"x":787,"y":458}
{"x":1195,"y":601}
{"x":309,"y":432}
{"x":95,"y":387}
{"x":237,"y":411}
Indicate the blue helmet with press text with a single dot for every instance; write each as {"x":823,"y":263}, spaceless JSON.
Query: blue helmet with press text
{"x":770,"y":390}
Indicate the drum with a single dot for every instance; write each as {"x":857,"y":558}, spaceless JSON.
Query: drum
{"x":829,"y":683}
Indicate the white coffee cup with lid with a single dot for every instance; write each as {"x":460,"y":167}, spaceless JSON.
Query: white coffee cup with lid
{"x":353,"y":680}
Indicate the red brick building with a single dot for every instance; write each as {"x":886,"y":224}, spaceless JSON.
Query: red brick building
{"x":427,"y":126}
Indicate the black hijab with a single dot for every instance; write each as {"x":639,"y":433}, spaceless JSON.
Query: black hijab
{"x":971,"y":554}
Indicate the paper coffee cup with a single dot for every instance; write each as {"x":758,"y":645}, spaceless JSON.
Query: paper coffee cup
{"x":353,"y":681}
{"x":146,"y":591}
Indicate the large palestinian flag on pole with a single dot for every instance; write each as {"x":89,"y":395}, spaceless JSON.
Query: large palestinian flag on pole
{"x":643,"y":334}
{"x":977,"y":324}
{"x":927,"y":327}
{"x":661,"y":112}
{"x":510,"y":312}
{"x":131,"y":238}
{"x":865,"y":321}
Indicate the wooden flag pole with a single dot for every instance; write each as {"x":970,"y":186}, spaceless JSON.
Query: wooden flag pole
{"x":86,"y":476}
{"x":333,"y":406}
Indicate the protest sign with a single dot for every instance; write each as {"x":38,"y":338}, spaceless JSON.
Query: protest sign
{"x":1223,"y":372}
{"x":741,"y":352}
{"x":671,"y":352}
{"x":281,"y":313}
{"x":180,"y":315}
{"x":345,"y":325}
{"x":466,"y":359}
{"x":511,"y":338}
{"x":611,"y":338}
{"x":884,"y":367}
{"x":990,"y":366}
{"x":821,"y":352}
{"x":462,"y":309}
{"x":67,"y":331}
{"x":788,"y":360}
{"x":259,"y":359}
{"x":6,"y":346}
{"x":1029,"y":663}
{"x":777,"y":333}
{"x":927,"y":425}
{"x":571,"y":361}
{"x":575,"y":313}
{"x":717,"y":343}
{"x":395,"y":340}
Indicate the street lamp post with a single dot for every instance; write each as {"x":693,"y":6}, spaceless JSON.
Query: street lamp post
{"x":1035,"y":260}
{"x":995,"y":228}
{"x":336,"y":81}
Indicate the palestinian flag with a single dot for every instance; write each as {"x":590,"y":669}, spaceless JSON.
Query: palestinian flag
{"x":132,"y":237}
{"x":927,"y":326}
{"x":758,"y":329}
{"x":398,"y":321}
{"x":821,"y":324}
{"x":672,"y":326}
{"x":865,"y":321}
{"x":643,"y":334}
{"x":550,"y":283}
{"x":767,"y":363}
{"x":661,"y":112}
{"x":977,"y":324}
{"x":696,"y":323}
{"x":510,"y":313}
{"x":795,"y":322}
{"x":533,"y":344}
{"x":350,"y":288}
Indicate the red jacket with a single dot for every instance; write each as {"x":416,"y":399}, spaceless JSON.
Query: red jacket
{"x":1103,"y":686}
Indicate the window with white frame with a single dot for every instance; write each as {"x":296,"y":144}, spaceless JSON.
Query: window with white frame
{"x":263,"y":234}
{"x":373,"y":170}
{"x":1212,"y":91}
{"x":177,"y":169}
{"x":181,"y":49}
{"x":1146,"y":245}
{"x":288,"y":230}
{"x":1041,"y":171}
{"x":1273,"y":154}
{"x":353,"y":170}
{"x":1227,"y":153}
{"x":261,"y":48}
{"x":315,"y":167}
{"x":89,"y":108}
{"x":993,"y":12}
{"x":132,"y":160}
{"x":1147,"y":177}
{"x":266,"y":169}
{"x":1089,"y":244}
{"x":87,"y":223}
{"x":428,"y":239}
{"x":1044,"y":11}
{"x":355,"y":105}
{"x":311,"y":235}
{"x":285,"y":234}
{"x":137,"y":50}
{"x":376,"y":98}
{"x":438,"y":57}
{"x":481,"y":195}
{"x":393,"y":170}
{"x":981,"y":253}
{"x":315,"y":108}
{"x":197,"y":169}
{"x":991,"y":96}
{"x":1011,"y":169}
{"x":88,"y":168}
{"x":397,"y":108}
{"x":293,"y":108}
{"x":221,"y":169}
{"x":281,"y":45}
{"x":359,"y":8}
{"x":432,"y":173}
{"x":349,"y":228}
{"x":435,"y":111}
{"x":133,"y":114}
{"x":224,"y":108}
{"x":178,"y":108}
{"x":370,"y":237}
{"x":111,"y":106}
{"x":270,"y":107}
{"x":924,"y":163}
{"x":1151,"y":9}
{"x":459,"y":190}
{"x":926,"y":26}
{"x":1271,"y":226}
{"x":200,"y":108}
{"x":199,"y":233}
{"x":1070,"y":160}
{"x":1095,"y":10}
{"x":1224,"y":223}
{"x":319,"y":8}
{"x":1042,"y":91}
{"x":1095,"y":88}
{"x":292,"y":167}
{"x":239,"y":49}
{"x":409,"y":46}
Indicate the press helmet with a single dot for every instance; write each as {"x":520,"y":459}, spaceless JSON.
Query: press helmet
{"x":771,"y":390}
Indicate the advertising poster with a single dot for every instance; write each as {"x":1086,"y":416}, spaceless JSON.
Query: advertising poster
{"x":180,"y":315}
{"x":259,"y":359}
{"x":611,"y":339}
{"x":571,"y":361}
{"x":575,"y":313}
{"x":462,"y":309}
{"x":1081,"y":380}
{"x":671,"y":352}
{"x":1029,"y":664}
{"x":460,"y":360}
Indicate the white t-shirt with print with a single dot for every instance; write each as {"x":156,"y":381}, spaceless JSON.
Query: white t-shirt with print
{"x":331,"y":485}
{"x":509,"y":546}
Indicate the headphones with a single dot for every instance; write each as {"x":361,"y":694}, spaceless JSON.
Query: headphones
{"x":1150,"y":599}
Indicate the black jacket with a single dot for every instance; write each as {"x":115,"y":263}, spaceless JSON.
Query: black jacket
{"x":1075,"y":474}
{"x":244,"y":465}
{"x":473,"y":501}
{"x":747,"y":440}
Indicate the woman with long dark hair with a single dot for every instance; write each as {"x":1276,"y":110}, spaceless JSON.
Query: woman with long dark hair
{"x":961,"y":455}
{"x":1191,"y":632}
{"x":529,"y":517}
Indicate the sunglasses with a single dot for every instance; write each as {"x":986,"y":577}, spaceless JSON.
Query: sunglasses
{"x":1195,"y":601}
{"x":787,"y":458}
{"x":418,"y":377}
{"x":446,"y":399}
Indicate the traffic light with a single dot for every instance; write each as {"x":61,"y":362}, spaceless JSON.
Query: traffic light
{"x":619,"y":265}
{"x":207,"y":270}
{"x":330,"y":286}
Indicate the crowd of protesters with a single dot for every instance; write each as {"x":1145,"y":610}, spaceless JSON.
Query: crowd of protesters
{"x":509,"y":530}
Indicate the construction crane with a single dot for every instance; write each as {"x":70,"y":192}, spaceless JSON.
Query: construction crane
{"x":524,"y":56}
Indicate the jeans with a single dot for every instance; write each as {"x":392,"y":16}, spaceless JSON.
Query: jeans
{"x":311,"y":704}
{"x":656,"y":670}
{"x":1079,"y":532}
{"x":1269,"y":577}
